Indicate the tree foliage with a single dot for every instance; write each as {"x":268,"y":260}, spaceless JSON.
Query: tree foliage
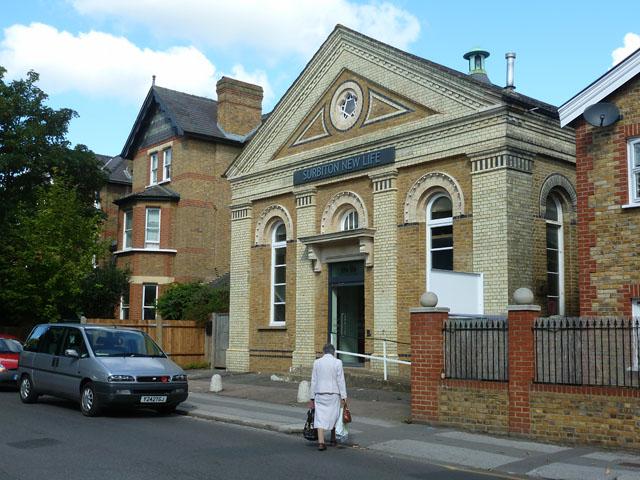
{"x":192,"y":301}
{"x":101,"y":290}
{"x":48,"y":223}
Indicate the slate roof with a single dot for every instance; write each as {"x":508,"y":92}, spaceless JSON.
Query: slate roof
{"x":154,"y":192}
{"x":190,"y":115}
{"x":117,"y":168}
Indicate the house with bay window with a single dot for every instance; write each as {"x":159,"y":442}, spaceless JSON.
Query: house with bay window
{"x":174,"y":225}
{"x":606,"y":119}
{"x":380,"y":175}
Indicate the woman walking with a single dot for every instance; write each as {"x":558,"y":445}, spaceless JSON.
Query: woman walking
{"x":328,"y":393}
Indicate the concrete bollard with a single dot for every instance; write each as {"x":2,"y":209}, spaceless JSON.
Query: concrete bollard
{"x":216,"y":384}
{"x":303,"y":392}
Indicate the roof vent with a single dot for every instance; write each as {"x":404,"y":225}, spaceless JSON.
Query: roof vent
{"x":476,"y":59}
{"x":511,"y":58}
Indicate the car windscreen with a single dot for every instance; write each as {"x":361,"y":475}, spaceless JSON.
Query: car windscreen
{"x":7,"y":345}
{"x":121,"y":343}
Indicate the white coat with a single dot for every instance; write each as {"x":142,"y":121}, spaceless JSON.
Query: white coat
{"x":328,"y":377}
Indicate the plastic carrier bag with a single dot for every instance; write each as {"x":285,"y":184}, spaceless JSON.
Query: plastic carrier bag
{"x":342,"y":429}
{"x":309,"y":432}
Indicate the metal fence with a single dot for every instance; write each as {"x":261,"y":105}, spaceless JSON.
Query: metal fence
{"x":588,"y":351}
{"x":476,"y":348}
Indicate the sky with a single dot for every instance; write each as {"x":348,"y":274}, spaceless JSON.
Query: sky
{"x":98,"y":56}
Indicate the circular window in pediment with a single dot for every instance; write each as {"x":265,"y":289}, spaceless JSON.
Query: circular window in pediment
{"x":346,"y":105}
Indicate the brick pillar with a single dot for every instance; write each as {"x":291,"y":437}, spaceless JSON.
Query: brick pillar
{"x":305,"y":352}
{"x":427,"y":361}
{"x":239,"y":294}
{"x":385,"y":255}
{"x":521,"y":365}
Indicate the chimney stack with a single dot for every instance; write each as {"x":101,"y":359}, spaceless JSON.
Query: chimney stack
{"x":239,"y":106}
{"x":511,"y":59}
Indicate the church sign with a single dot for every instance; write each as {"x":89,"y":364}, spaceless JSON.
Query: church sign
{"x":342,"y":166}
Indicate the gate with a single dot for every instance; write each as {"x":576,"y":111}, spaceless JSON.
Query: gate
{"x":220,"y":339}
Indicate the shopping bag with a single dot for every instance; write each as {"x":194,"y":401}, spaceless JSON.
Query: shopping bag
{"x":342,"y":430}
{"x":309,"y":432}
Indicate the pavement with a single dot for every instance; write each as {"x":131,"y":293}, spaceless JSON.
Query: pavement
{"x":381,"y":422}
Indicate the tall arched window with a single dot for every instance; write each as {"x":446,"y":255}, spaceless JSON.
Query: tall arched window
{"x":278,"y":273}
{"x":440,"y":233}
{"x":349,"y":220}
{"x":555,"y":256}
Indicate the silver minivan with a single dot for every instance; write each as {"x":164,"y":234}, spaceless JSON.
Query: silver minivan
{"x":99,"y":366}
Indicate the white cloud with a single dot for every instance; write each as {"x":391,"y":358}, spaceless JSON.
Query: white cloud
{"x":103,"y":65}
{"x":258,"y":77}
{"x":278,"y":27}
{"x":100,"y":64}
{"x":631,"y":44}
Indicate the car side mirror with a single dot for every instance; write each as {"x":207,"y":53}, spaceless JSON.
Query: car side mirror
{"x":70,"y":352}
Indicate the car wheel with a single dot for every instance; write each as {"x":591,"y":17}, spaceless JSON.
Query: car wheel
{"x":167,"y":409}
{"x":27,"y":393}
{"x":89,"y":405}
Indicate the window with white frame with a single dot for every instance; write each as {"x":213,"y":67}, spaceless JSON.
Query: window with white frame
{"x":555,"y":256}
{"x":153,"y":168}
{"x":149,"y":297}
{"x":349,"y":220}
{"x":166,"y":164}
{"x":127,"y":235}
{"x":440,"y":233}
{"x":152,"y":229}
{"x":633,"y":154}
{"x":278,"y":273}
{"x":124,"y":305}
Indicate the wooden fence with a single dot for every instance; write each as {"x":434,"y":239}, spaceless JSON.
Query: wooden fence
{"x":183,"y":340}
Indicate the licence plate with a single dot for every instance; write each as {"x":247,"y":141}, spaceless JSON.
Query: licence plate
{"x":153,"y":399}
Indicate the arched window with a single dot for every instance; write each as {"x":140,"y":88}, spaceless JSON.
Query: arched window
{"x":440,"y":233}
{"x":349,"y":220}
{"x":555,"y":256}
{"x":278,"y":273}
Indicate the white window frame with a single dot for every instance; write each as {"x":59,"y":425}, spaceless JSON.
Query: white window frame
{"x":166,"y":166}
{"x":440,"y":222}
{"x":153,"y":168}
{"x":275,"y":246}
{"x":560,"y":224}
{"x":125,"y":307}
{"x":350,"y":220}
{"x":634,"y":194}
{"x":144,"y":304}
{"x":127,"y":230}
{"x":152,"y":244}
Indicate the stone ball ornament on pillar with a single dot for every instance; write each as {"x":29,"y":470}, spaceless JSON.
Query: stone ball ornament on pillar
{"x":429,"y":299}
{"x":523,"y":296}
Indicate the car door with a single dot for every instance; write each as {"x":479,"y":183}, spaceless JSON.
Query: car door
{"x":44,"y":367}
{"x":68,"y":376}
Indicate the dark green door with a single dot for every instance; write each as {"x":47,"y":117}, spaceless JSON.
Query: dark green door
{"x":346,"y":309}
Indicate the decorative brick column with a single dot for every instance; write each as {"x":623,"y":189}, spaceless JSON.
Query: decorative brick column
{"x":239,"y":294}
{"x":427,"y":361}
{"x":521,"y":365}
{"x":305,"y":353}
{"x":385,"y":248}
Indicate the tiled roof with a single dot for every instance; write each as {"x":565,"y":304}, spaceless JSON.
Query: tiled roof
{"x":154,"y":192}
{"x":117,"y":168}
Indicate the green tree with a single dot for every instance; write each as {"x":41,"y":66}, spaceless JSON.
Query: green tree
{"x":48,"y":223}
{"x":192,"y":301}
{"x":101,"y":290}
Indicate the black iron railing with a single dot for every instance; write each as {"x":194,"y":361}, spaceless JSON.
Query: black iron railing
{"x":587,"y":351}
{"x":476,"y":348}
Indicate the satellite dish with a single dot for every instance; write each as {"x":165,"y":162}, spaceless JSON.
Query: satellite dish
{"x":601,"y":114}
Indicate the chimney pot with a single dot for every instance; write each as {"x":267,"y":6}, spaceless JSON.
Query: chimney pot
{"x":239,"y":106}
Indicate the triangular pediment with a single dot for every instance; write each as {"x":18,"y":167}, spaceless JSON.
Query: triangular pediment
{"x":352,"y":106}
{"x":353,"y":92}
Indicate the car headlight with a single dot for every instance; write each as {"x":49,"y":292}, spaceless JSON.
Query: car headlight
{"x":120,"y":378}
{"x":179,"y":378}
